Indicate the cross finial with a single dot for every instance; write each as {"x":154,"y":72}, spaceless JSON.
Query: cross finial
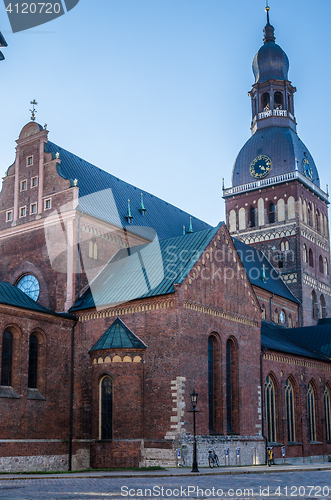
{"x":33,"y":110}
{"x":267,"y":11}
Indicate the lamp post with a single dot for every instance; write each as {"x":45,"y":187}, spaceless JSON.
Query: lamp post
{"x":194,"y":399}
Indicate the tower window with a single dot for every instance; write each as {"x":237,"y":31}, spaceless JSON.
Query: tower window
{"x":311,"y":258}
{"x":252,"y":216}
{"x":33,"y":362}
{"x":271,"y":213}
{"x":265,"y":101}
{"x":7,"y":356}
{"x":278,"y":99}
{"x":281,"y":260}
{"x":29,"y":161}
{"x":106,"y":408}
{"x":314,"y":305}
{"x":304,"y":253}
{"x":320,"y":264}
{"x":323,"y":306}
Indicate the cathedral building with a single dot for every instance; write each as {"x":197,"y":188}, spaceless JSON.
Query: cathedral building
{"x":116,"y":306}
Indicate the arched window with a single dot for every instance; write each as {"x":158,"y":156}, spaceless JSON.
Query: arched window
{"x":290,"y":321}
{"x":106,"y":408}
{"x":309,"y":214}
{"x":327,"y":413}
{"x":317,"y":221}
{"x":33,"y":362}
{"x":323,"y":306}
{"x":320,"y":264}
{"x":325,"y":267}
{"x":93,"y":249}
{"x":232,"y":410}
{"x":278,"y":99}
{"x":265,"y":101}
{"x":311,"y":412}
{"x":270,"y":412}
{"x":232,"y":221}
{"x":305,"y":219}
{"x":211,"y":383}
{"x":289,"y":407}
{"x":304,"y":254}
{"x":276,"y":316}
{"x":281,"y":260}
{"x":252,"y":217}
{"x":311,"y":258}
{"x":271,"y":213}
{"x":6,"y":359}
{"x":314,"y":305}
{"x":263,"y":311}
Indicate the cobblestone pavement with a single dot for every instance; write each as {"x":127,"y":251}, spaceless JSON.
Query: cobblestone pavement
{"x":286,"y":485}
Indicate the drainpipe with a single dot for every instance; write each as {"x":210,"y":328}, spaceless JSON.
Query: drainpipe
{"x":71,"y":414}
{"x":262,"y":402}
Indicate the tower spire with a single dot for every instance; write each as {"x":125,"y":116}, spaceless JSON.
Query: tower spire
{"x":267,"y":11}
{"x":269,"y":31}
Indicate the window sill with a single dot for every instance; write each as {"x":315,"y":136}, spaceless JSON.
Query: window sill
{"x":35,"y":394}
{"x":8,"y":392}
{"x":294,"y":443}
{"x":315,"y":442}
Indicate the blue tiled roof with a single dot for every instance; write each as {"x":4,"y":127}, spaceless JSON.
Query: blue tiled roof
{"x":118,"y":336}
{"x":316,"y":337}
{"x":253,"y":261}
{"x":146,"y":270}
{"x":282,"y":145}
{"x":289,"y":340}
{"x":13,"y":296}
{"x":104,"y":196}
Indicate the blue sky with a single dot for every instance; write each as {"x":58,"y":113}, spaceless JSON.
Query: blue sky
{"x":155,"y":91}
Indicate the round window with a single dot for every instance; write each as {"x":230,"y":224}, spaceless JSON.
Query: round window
{"x":29,"y":285}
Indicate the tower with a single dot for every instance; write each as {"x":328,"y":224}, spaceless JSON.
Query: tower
{"x":275,"y":202}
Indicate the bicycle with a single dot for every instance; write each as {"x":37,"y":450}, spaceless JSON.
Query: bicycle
{"x":213,"y":459}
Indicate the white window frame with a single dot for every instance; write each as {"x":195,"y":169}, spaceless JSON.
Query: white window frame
{"x":50,"y":203}
{"x":27,"y":161}
{"x":26,"y":185}
{"x":7,"y":213}
{"x":33,"y":205}
{"x":35,"y":177}
{"x":21,"y":208}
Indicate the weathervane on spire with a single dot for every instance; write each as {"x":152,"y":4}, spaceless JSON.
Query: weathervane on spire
{"x":267,"y":11}
{"x":33,"y":110}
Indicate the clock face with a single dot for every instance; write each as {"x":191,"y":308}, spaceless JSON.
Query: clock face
{"x":307,"y":170}
{"x":261,"y":166}
{"x":29,"y":285}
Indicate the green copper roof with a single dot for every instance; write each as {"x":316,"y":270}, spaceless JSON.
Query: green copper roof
{"x":146,"y":270}
{"x":118,"y":336}
{"x":13,"y":296}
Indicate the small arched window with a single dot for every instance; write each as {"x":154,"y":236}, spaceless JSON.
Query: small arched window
{"x":320,"y":264}
{"x":263,"y":311}
{"x":304,"y":254}
{"x":311,"y":412}
{"x":325,"y":267}
{"x":323,"y":306}
{"x":289,"y":407}
{"x":311,"y":258}
{"x":7,"y":358}
{"x":327,"y":413}
{"x":314,"y":305}
{"x":278,"y":99}
{"x":271,"y":213}
{"x":33,"y":362}
{"x":106,"y":408}
{"x":252,"y":217}
{"x":309,"y":210}
{"x":290,"y":321}
{"x":270,"y":409}
{"x":276,"y":316}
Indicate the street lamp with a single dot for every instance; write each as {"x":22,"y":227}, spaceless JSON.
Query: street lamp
{"x":194,"y":399}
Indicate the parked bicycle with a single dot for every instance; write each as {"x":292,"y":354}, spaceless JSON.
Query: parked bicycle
{"x":212,"y":458}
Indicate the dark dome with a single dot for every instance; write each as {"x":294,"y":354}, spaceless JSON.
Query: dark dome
{"x":283,"y":147}
{"x":271,"y":62}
